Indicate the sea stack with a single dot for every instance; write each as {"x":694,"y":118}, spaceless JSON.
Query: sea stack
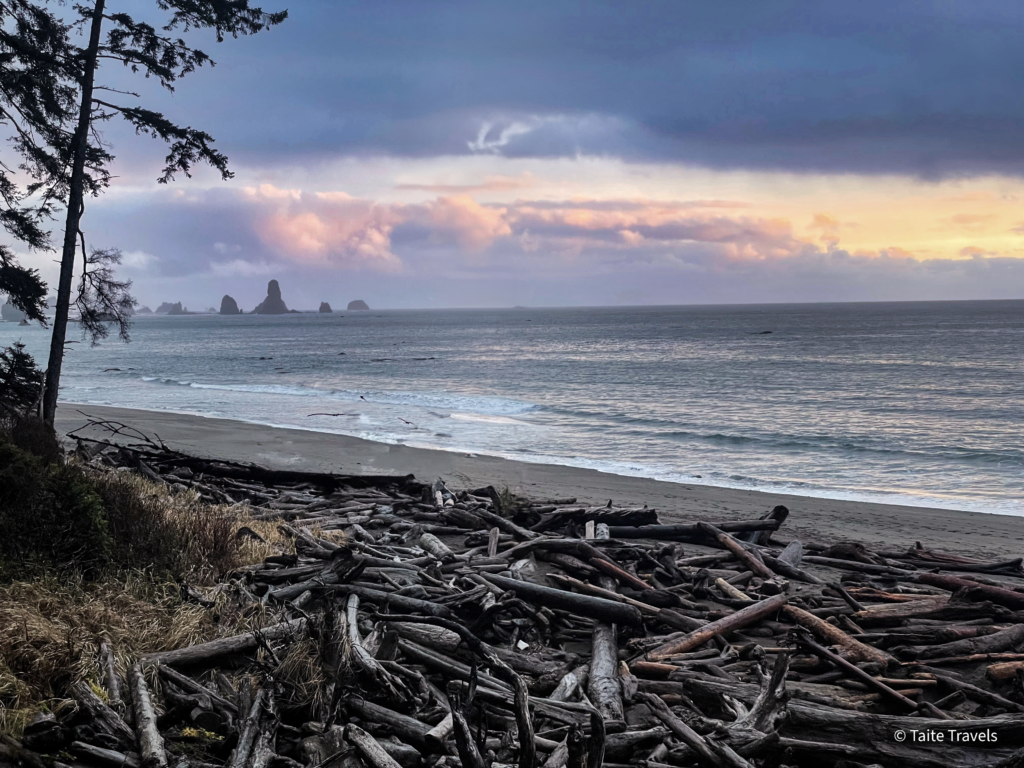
{"x":229,"y":306}
{"x":11,"y":314}
{"x":325,"y":308}
{"x":357,"y":305}
{"x":273,"y":304}
{"x":177,"y":309}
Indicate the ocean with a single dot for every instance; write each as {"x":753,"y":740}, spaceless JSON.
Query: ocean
{"x":910,"y":403}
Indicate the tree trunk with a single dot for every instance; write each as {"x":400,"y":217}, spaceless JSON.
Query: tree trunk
{"x":605,"y":689}
{"x":76,"y":195}
{"x":151,"y":743}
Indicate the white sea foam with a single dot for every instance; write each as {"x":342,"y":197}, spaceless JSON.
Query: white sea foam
{"x":466,"y":406}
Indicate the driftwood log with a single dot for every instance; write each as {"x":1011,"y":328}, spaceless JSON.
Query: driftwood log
{"x":409,"y":624}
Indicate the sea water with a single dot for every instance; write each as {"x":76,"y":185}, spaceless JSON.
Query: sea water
{"x":912,"y":403}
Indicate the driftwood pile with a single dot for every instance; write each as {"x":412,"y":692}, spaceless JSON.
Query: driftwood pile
{"x":473,"y":628}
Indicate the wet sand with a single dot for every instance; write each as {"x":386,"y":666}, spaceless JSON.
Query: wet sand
{"x":884,"y":527}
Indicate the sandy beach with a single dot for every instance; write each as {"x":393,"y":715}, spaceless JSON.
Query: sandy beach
{"x":881,"y":526}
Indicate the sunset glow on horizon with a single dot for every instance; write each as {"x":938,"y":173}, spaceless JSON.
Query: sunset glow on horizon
{"x":561,"y":154}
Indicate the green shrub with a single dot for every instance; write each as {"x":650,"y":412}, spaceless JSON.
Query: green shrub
{"x":50,"y":516}
{"x":20,"y":377}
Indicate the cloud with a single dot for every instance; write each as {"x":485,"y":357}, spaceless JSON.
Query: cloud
{"x":631,"y":225}
{"x":242,"y":268}
{"x":895,"y":252}
{"x":970,"y":222}
{"x":490,"y":184}
{"x":973,"y":252}
{"x":471,"y":225}
{"x":492,"y":138}
{"x":803,"y":86}
{"x":829,"y":228}
{"x":137,"y":259}
{"x":329,"y":227}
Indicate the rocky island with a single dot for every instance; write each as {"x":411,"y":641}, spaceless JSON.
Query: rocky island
{"x":228,"y":306}
{"x":273,"y":304}
{"x":325,"y":308}
{"x":11,"y":314}
{"x":358,"y":304}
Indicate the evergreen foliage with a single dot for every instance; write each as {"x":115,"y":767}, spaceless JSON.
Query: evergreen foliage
{"x":48,"y":98}
{"x":51,"y":516}
{"x":20,"y":378}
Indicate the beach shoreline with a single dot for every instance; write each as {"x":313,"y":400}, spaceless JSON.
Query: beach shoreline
{"x":886,"y":527}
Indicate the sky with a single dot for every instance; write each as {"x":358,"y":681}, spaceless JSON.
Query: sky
{"x":441,"y":153}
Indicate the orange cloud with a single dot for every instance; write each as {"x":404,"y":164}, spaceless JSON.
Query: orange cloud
{"x":895,"y":252}
{"x":473,"y":226}
{"x":829,"y":227}
{"x":974,"y":252}
{"x":327,"y":227}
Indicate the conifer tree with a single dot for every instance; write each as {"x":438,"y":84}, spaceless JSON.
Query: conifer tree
{"x":56,"y":137}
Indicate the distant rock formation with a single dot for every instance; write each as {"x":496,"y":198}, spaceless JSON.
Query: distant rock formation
{"x":177,"y":309}
{"x":273,"y":304}
{"x":325,"y":308}
{"x":357,"y":304}
{"x":229,"y":306}
{"x":166,"y":307}
{"x":143,"y":311}
{"x":11,"y":314}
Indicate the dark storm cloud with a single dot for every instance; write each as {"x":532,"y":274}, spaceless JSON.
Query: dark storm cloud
{"x":930,"y":89}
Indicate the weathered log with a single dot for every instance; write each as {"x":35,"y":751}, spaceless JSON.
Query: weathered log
{"x":263,"y":750}
{"x":436,"y":548}
{"x":854,"y":565}
{"x":752,"y":561}
{"x":405,"y":727}
{"x":687,"y":532}
{"x":976,"y":590}
{"x":438,"y":735}
{"x":111,"y":678}
{"x":527,"y":748}
{"x":370,"y":748}
{"x":628,"y":517}
{"x":618,"y":575}
{"x":710,"y":752}
{"x":994,"y":643}
{"x":208,"y":653}
{"x":584,"y":605}
{"x":850,"y":648}
{"x":967,"y":743}
{"x":973,"y":692}
{"x":250,"y":728}
{"x":364,"y":658}
{"x":151,"y":744}
{"x":191,"y":686}
{"x":604,"y":687}
{"x":504,"y":524}
{"x":804,"y":638}
{"x":387,"y":600}
{"x":570,"y":683}
{"x":102,"y":716}
{"x":108,"y":758}
{"x":1003,"y":671}
{"x":777,"y":515}
{"x":741,"y":618}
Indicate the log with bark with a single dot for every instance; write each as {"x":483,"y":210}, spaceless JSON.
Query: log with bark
{"x":470,"y":629}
